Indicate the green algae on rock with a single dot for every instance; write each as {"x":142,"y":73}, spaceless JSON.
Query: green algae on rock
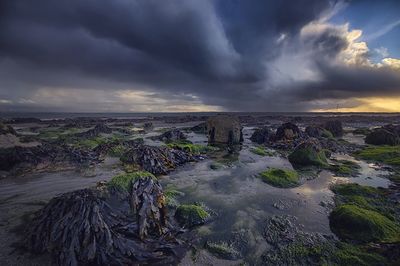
{"x":351,"y":222}
{"x":191,"y":215}
{"x":123,"y":181}
{"x":222,"y":250}
{"x":345,"y":168}
{"x":308,"y":153}
{"x":385,"y":154}
{"x":283,"y":178}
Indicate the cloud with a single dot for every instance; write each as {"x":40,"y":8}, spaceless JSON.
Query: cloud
{"x":140,"y":55}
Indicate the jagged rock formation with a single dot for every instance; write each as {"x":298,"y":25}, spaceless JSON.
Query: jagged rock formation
{"x":95,"y":227}
{"x":224,"y":129}
{"x":171,"y":135}
{"x":156,"y":160}
{"x":96,"y":131}
{"x":335,"y":127}
{"x":261,"y":135}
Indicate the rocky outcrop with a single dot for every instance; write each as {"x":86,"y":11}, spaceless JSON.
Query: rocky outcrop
{"x":261,"y":135}
{"x":47,"y":156}
{"x":335,"y":127}
{"x":156,"y":160}
{"x":95,"y":227}
{"x":287,"y":132}
{"x":224,"y":129}
{"x":171,"y":135}
{"x":95,"y":132}
{"x":308,"y":153}
{"x":382,"y":136}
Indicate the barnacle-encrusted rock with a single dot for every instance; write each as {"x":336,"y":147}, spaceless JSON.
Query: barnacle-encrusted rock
{"x":287,"y":131}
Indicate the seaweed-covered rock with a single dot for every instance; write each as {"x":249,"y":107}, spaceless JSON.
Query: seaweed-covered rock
{"x":287,"y":132}
{"x":171,"y":135}
{"x":224,"y":129}
{"x":335,"y":127}
{"x":308,"y":153}
{"x":191,"y":215}
{"x":382,"y":136}
{"x":43,"y":157}
{"x":156,"y":160}
{"x":94,"y":227}
{"x":96,"y":131}
{"x":317,"y":132}
{"x":261,"y":135}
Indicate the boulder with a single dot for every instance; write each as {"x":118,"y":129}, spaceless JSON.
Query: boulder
{"x":308,"y":153}
{"x":224,"y":129}
{"x":335,"y":127}
{"x":261,"y":135}
{"x":287,"y":132}
{"x":200,"y":128}
{"x":382,"y":136}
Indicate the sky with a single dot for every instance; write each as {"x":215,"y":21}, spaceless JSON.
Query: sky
{"x":191,"y":55}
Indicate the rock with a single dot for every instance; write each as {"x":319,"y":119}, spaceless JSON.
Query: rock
{"x":156,"y":160}
{"x":5,"y":129}
{"x":171,"y":136}
{"x":382,"y":136}
{"x":191,"y":215}
{"x":335,"y":127}
{"x":308,"y":153}
{"x":148,"y":126}
{"x":224,"y":129}
{"x":287,"y":132}
{"x":96,"y":131}
{"x":395,"y":129}
{"x":261,"y":135}
{"x":318,"y":132}
{"x":200,"y":128}
{"x":95,"y":227}
{"x":43,"y":157}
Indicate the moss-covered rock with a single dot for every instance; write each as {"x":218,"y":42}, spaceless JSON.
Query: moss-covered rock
{"x":308,"y":153}
{"x":259,"y":151}
{"x":282,"y":178}
{"x":318,"y":132}
{"x":191,"y":215}
{"x":347,"y":254}
{"x":351,"y":222}
{"x":335,"y":127}
{"x":192,"y":148}
{"x":123,"y":181}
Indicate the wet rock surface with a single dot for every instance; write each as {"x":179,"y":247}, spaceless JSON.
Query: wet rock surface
{"x":98,"y":227}
{"x":335,"y":127}
{"x":383,"y":136}
{"x":308,"y":153}
{"x":96,"y":131}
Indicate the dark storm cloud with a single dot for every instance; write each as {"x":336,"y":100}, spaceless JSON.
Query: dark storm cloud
{"x":216,"y":50}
